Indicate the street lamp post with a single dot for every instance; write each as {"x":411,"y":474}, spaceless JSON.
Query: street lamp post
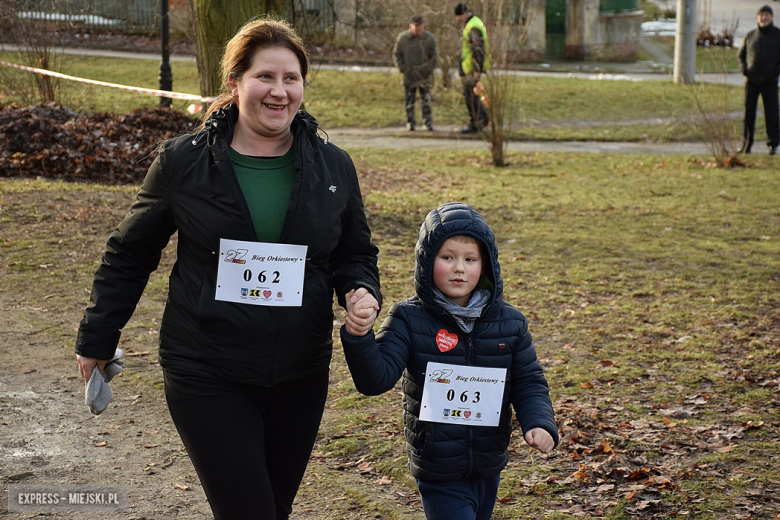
{"x":166,"y":78}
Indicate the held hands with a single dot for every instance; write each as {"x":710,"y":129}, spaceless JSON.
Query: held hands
{"x":540,"y":439}
{"x":362,"y":310}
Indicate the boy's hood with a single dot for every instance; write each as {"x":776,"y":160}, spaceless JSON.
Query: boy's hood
{"x":453,"y":218}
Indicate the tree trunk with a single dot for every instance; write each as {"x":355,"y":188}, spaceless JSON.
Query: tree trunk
{"x":215,"y":22}
{"x":685,"y":43}
{"x":497,"y":149}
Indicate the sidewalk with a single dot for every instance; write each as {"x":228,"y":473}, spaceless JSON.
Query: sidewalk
{"x":447,"y":138}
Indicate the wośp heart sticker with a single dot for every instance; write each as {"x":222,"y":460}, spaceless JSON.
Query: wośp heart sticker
{"x":445,"y":340}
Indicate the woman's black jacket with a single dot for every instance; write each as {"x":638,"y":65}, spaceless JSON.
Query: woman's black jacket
{"x":191,"y":188}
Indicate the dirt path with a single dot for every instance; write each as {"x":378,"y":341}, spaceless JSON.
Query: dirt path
{"x":50,"y":437}
{"x":47,"y":435}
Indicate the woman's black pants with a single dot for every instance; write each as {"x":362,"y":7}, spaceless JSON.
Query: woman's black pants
{"x":249,"y":444}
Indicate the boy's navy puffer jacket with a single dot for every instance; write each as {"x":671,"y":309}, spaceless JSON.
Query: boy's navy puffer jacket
{"x":407,"y":342}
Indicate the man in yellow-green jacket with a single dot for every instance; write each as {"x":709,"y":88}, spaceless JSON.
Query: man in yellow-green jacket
{"x":474,"y":61}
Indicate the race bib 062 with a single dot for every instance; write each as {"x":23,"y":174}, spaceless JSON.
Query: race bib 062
{"x":258,"y":273}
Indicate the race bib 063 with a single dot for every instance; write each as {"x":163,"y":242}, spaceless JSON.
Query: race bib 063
{"x":463,"y":395}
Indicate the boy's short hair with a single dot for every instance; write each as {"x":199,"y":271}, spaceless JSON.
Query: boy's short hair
{"x":470,"y":239}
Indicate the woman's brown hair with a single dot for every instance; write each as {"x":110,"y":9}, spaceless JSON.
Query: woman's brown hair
{"x":255,"y":35}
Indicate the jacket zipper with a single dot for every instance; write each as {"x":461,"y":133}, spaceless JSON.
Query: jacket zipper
{"x":298,"y":152}
{"x":470,"y":429}
{"x":220,"y":145}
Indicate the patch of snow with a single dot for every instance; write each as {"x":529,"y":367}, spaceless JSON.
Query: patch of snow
{"x":659,"y":28}
{"x":613,"y":77}
{"x":64,"y":17}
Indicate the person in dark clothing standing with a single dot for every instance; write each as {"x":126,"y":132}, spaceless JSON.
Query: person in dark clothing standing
{"x":416,"y":54}
{"x":474,"y":61}
{"x":270,"y":223}
{"x":467,"y":359}
{"x":760,"y":62}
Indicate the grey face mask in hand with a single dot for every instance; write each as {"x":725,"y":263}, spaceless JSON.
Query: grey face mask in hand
{"x":97,"y":392}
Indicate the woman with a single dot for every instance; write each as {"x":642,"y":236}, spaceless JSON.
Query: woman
{"x":270,"y":222}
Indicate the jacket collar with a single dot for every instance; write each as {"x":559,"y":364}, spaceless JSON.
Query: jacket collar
{"x":221,"y":124}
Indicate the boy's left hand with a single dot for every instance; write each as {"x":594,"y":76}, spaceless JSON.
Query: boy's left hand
{"x":540,"y":439}
{"x":362,"y":310}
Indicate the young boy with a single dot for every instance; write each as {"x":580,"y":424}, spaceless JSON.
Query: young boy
{"x":465,"y":355}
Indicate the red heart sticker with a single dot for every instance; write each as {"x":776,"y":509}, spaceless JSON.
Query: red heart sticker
{"x":266,"y":294}
{"x":446,"y":341}
{"x":467,"y":414}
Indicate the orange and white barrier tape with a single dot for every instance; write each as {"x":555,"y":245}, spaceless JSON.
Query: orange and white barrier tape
{"x":154,"y":92}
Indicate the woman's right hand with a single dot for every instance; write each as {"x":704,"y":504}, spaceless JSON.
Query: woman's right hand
{"x":86,"y":364}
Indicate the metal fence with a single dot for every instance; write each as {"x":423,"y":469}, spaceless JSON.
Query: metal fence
{"x":313,"y":16}
{"x":616,"y":6}
{"x":134,"y":15}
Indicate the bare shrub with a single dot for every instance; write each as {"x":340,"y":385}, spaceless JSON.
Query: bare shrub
{"x":708,"y":37}
{"x":500,"y":84}
{"x":718,"y":127}
{"x":40,"y":46}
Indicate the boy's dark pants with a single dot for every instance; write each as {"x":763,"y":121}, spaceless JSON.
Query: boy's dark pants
{"x":425,"y":100}
{"x":768,"y":92}
{"x":462,"y":499}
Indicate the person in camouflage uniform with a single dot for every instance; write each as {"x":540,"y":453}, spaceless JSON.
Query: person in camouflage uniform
{"x":416,"y":54}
